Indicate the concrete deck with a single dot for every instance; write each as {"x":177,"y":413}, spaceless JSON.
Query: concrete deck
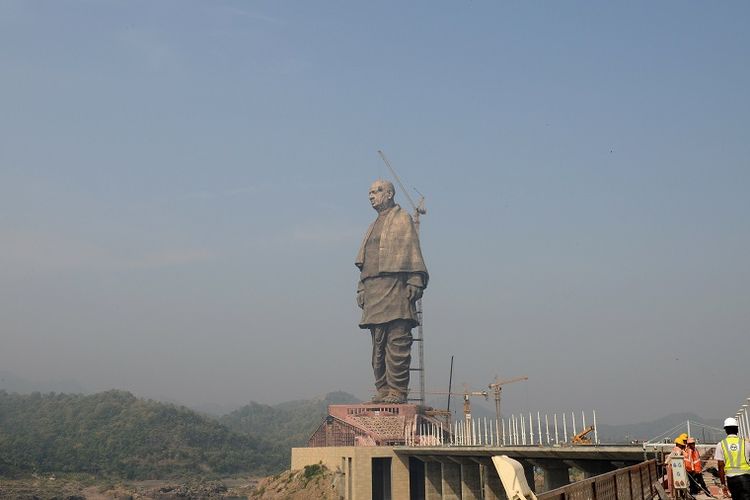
{"x":613,"y":453}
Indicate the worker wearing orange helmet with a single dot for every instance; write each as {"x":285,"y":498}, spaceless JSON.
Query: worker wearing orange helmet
{"x":733,"y":457}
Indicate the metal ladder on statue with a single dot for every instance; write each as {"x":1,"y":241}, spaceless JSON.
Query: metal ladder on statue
{"x":419,"y":339}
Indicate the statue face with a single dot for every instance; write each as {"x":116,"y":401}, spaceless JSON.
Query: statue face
{"x":381,"y":196}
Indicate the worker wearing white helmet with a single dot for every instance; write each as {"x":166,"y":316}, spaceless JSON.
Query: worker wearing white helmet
{"x":733,"y":455}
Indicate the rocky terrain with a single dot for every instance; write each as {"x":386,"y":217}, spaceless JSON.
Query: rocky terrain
{"x":87,"y":488}
{"x":314,"y":483}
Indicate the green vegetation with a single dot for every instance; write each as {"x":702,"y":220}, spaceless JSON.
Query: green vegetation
{"x":115,"y":433}
{"x":313,"y":470}
{"x":287,"y":425}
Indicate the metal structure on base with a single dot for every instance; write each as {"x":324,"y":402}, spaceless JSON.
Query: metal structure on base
{"x":376,"y":425}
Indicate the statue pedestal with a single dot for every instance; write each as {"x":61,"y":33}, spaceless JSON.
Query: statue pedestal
{"x":373,"y":424}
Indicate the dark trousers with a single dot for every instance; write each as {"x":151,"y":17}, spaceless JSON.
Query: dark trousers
{"x":391,"y":356}
{"x":739,"y":486}
{"x":697,"y":484}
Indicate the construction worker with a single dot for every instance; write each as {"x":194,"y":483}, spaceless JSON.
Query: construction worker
{"x":678,"y":451}
{"x":694,"y":468}
{"x":679,"y":445}
{"x":733,"y":457}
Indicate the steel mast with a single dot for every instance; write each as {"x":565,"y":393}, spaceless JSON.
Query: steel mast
{"x":497,"y":387}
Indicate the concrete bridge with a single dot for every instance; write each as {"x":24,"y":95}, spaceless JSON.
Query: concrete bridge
{"x":466,"y":472}
{"x":383,"y":451}
{"x":456,"y":472}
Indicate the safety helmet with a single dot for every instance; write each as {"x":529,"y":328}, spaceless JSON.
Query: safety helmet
{"x":681,"y":439}
{"x":731,"y":422}
{"x":691,"y":440}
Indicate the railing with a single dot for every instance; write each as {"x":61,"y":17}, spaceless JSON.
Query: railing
{"x":705,"y":434}
{"x":515,"y":430}
{"x":744,"y":419}
{"x":635,"y":482}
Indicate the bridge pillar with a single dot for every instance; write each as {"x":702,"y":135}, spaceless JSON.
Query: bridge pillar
{"x":528,"y":471}
{"x":593,"y":468}
{"x":556,"y":473}
{"x":556,"y":476}
{"x":493,"y":487}
{"x":451,"y":486}
{"x":471,"y":483}
{"x":433,"y":481}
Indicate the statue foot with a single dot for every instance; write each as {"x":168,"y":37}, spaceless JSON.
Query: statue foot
{"x":379,"y":397}
{"x":394,"y":399}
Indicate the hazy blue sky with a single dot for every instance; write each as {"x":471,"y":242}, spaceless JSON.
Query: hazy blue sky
{"x":183,"y":189}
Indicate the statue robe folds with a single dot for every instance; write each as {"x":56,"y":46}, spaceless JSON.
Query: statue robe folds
{"x":389,"y":259}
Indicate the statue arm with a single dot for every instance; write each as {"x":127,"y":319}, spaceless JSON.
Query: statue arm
{"x":415,"y":286}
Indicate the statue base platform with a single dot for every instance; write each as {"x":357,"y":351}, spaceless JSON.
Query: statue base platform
{"x":375,"y":424}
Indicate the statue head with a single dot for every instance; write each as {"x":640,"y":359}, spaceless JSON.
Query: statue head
{"x":381,"y":195}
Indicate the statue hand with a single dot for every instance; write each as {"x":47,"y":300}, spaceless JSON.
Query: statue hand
{"x":413,"y":292}
{"x":361,"y":300}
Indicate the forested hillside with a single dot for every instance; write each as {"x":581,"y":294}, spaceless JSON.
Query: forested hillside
{"x":116,"y":433}
{"x":287,"y":424}
{"x":293,"y":420}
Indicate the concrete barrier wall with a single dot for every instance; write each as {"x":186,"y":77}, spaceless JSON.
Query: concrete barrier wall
{"x":361,"y":469}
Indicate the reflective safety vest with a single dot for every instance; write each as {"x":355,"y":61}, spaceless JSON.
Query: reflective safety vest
{"x":735,"y":461}
{"x":692,"y":460}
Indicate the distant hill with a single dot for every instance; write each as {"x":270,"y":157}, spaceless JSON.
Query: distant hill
{"x":116,"y":433}
{"x":286,"y":425}
{"x":644,"y":431}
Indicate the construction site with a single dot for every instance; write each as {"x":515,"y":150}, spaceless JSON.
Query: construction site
{"x":415,"y":452}
{"x":399,"y":447}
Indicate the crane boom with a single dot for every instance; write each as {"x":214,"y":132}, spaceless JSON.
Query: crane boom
{"x":467,"y":395}
{"x":398,"y":180}
{"x":581,"y":438}
{"x":497,"y":387}
{"x":508,"y":381}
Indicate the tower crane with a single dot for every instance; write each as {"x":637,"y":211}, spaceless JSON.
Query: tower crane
{"x":467,"y":401}
{"x":467,"y":395}
{"x":497,"y":387}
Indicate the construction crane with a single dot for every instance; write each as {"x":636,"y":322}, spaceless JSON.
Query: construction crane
{"x":467,"y":402}
{"x":497,"y":387}
{"x":581,"y":438}
{"x":467,"y":395}
{"x":418,"y":208}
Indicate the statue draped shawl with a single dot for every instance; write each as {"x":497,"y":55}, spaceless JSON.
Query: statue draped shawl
{"x":399,"y":245}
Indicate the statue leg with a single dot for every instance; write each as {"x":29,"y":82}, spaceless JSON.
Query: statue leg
{"x":379,"y":338}
{"x":398,"y":359}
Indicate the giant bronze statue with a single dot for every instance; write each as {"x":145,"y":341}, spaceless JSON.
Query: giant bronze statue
{"x":392,"y":279}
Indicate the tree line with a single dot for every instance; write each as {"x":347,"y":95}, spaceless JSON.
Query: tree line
{"x":115,"y":433}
